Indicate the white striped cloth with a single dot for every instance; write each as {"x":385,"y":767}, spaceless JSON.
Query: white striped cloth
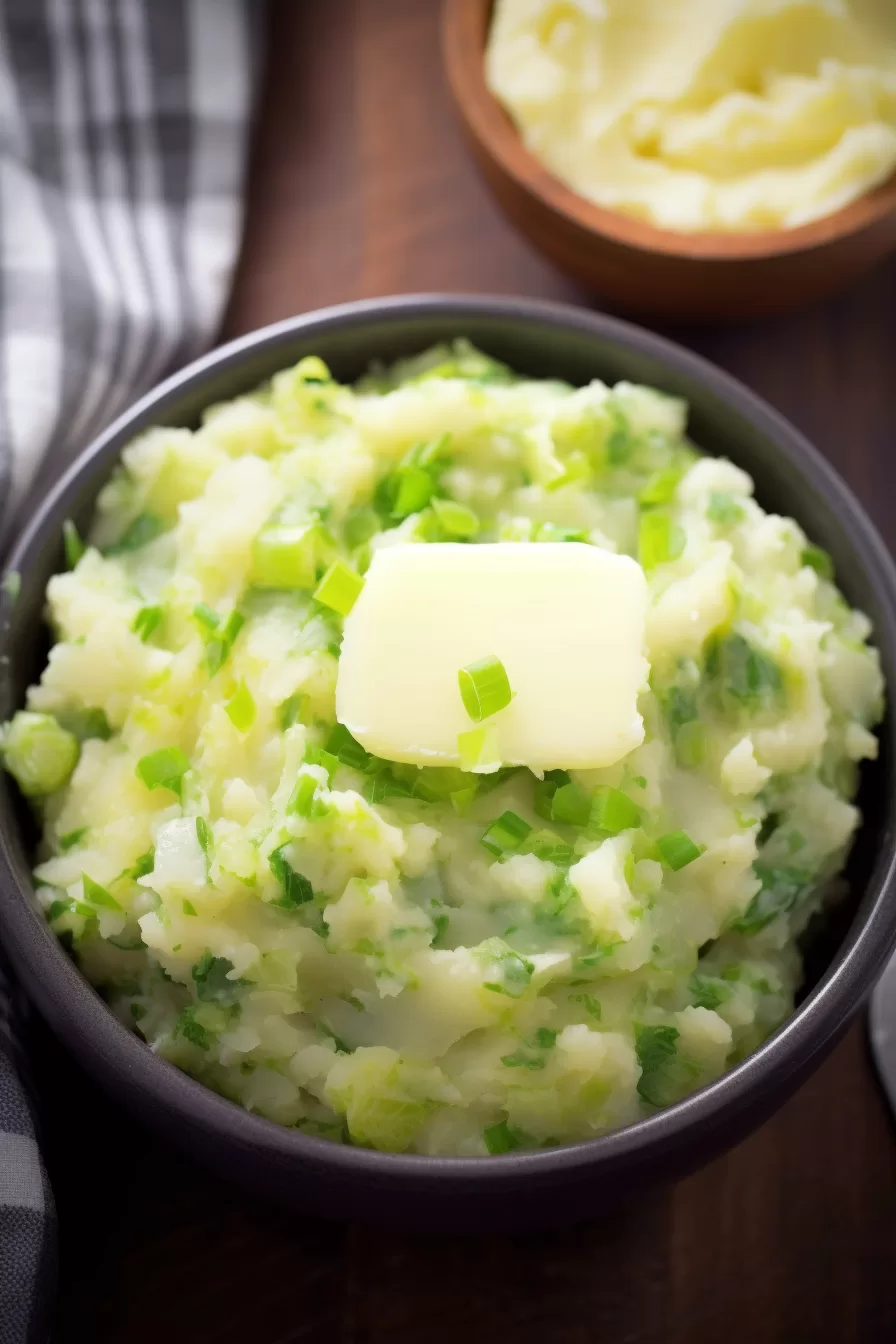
{"x":123,"y":139}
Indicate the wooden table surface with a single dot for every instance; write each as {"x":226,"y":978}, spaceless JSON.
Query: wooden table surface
{"x":360,"y":186}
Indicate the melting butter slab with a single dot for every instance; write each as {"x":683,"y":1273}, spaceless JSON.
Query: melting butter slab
{"x":566,"y":619}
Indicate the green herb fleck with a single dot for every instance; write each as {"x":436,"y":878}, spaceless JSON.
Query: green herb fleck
{"x":74,"y":546}
{"x":297,"y":890}
{"x":211,"y":978}
{"x":72,"y":838}
{"x":146,"y":622}
{"x":501,"y":1138}
{"x":144,"y":529}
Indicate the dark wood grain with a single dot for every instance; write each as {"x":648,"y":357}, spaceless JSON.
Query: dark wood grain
{"x":361,"y":186}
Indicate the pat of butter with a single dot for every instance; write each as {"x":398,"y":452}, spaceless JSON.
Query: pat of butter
{"x":566,"y":620}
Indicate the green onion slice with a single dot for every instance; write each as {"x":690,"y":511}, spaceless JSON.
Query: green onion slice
{"x":240,"y":708}
{"x":572,"y":805}
{"x":478,"y":751}
{"x":146,"y":622}
{"x":74,"y":546}
{"x":505,"y":834}
{"x":677,"y":850}
{"x":339,"y":588}
{"x":659,"y":539}
{"x":456,"y":519}
{"x":613,"y":811}
{"x":484,"y":688}
{"x":163,"y":769}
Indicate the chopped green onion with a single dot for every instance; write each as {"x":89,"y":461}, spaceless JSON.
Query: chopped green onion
{"x":655,"y":1047}
{"x":86,"y":723}
{"x":548,"y":846}
{"x":360,"y":526}
{"x":455,"y":519}
{"x":743,"y":673}
{"x":346,"y":749}
{"x":139,"y":533}
{"x":144,"y":865}
{"x":189,"y":908}
{"x":820,"y":561}
{"x":462,"y":800}
{"x":551,"y":532}
{"x":72,"y":838}
{"x":285,"y":556}
{"x":478,"y":751}
{"x":339,"y":588}
{"x":312,"y":369}
{"x":677,"y":850}
{"x":211,"y":976}
{"x":619,"y":443}
{"x":545,"y":789}
{"x":191,"y":1030}
{"x":501,"y":1138}
{"x":545,"y":1038}
{"x":384,"y":785}
{"x":74,"y":546}
{"x":206,"y":616}
{"x":146,"y":622}
{"x":505,"y":834}
{"x":240,"y":708}
{"x":301,"y":800}
{"x":724,"y":508}
{"x":433,"y":783}
{"x":659,"y":540}
{"x":297,"y":890}
{"x":203,"y":835}
{"x":571,"y":804}
{"x":427,"y":454}
{"x":96,"y":895}
{"x":317,"y":756}
{"x":781,"y":891}
{"x":512,"y":972}
{"x":484,"y":688}
{"x":218,"y":649}
{"x":39,"y":753}
{"x":707,"y":991}
{"x":589,"y":1003}
{"x":640,"y":781}
{"x":690,"y":745}
{"x":440,"y":928}
{"x":414,"y":489}
{"x":613,"y":811}
{"x":660,"y":487}
{"x":290,"y":712}
{"x":163,"y":769}
{"x":521,"y":1059}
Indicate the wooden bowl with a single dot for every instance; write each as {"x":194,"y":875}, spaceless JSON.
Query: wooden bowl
{"x":633,"y":264}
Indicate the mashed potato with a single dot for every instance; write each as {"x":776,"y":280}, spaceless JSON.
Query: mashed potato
{"x":703,"y":114}
{"x":371,"y":951}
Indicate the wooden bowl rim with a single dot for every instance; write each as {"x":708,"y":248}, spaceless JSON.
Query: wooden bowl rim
{"x":464,"y":29}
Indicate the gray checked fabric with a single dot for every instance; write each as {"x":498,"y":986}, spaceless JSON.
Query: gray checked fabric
{"x":123,"y":137}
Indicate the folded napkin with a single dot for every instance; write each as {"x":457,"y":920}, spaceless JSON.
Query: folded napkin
{"x":123,"y":139}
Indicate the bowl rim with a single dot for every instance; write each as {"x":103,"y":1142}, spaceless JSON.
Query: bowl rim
{"x":105,"y":1045}
{"x":464,"y":31}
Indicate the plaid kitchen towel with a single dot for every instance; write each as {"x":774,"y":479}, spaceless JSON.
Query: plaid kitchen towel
{"x":123,"y":138}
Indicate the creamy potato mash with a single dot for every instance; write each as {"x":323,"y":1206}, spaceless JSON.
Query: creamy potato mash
{"x":703,"y":114}
{"x":435,"y":959}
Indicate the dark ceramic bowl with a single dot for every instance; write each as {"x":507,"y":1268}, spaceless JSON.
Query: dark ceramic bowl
{"x":518,"y":1189}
